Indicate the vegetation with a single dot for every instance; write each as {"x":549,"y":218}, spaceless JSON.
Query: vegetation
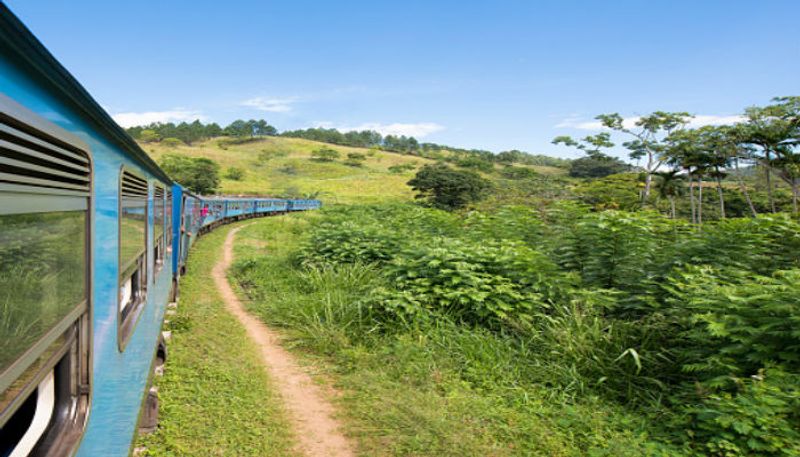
{"x":521,"y":311}
{"x":653,"y":338}
{"x":325,"y":155}
{"x":210,"y":354}
{"x":445,"y":188}
{"x":200,"y":175}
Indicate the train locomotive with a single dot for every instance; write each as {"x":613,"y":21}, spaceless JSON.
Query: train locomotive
{"x":94,"y":238}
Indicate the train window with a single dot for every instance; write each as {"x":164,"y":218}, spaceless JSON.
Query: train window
{"x":169,"y":221}
{"x":159,"y":229}
{"x":45,"y":187}
{"x":133,"y":212}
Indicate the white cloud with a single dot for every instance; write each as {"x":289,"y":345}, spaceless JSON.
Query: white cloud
{"x":148,"y":117}
{"x":273,"y":105}
{"x":418,"y":130}
{"x":699,"y":120}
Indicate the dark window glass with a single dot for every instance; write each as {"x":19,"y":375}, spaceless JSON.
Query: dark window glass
{"x":42,"y":276}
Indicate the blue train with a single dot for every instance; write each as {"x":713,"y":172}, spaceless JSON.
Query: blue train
{"x":93,"y":241}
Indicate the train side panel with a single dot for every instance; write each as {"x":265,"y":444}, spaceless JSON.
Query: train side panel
{"x":118,"y":377}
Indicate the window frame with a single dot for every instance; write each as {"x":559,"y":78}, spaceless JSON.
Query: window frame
{"x":126,"y":322}
{"x":159,"y":242}
{"x":71,"y":364}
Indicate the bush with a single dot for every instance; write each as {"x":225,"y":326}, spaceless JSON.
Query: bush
{"x":448,"y":189}
{"x":402,"y":168}
{"x":172,"y":142}
{"x":349,"y":242}
{"x":355,"y":159}
{"x":325,"y":155}
{"x":234,"y":174}
{"x":510,"y":172}
{"x":485,"y":284}
{"x":759,"y":419}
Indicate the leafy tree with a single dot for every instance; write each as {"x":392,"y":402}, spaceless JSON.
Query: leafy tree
{"x":448,"y":189}
{"x":595,"y":164}
{"x":149,"y":136}
{"x":775,"y":129}
{"x":200,"y":175}
{"x":650,"y":138}
{"x":669,"y":185}
{"x":597,"y":167}
{"x":325,"y":155}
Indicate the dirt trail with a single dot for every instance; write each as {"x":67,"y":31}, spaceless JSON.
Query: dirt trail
{"x":311,"y":414}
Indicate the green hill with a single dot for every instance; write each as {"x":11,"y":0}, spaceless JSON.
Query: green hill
{"x":280,"y":166}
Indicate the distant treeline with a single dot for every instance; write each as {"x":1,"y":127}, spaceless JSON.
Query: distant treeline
{"x":197,"y":131}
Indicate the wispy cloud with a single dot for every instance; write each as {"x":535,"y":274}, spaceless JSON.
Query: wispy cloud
{"x":699,"y":120}
{"x":417,"y":130}
{"x":148,"y":117}
{"x":271,"y":104}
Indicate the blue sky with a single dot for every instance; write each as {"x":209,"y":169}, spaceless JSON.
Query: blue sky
{"x":495,"y":75}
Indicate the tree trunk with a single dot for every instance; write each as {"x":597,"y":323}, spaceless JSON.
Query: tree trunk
{"x":647,"y":183}
{"x":721,"y":196}
{"x":795,"y":190}
{"x":769,"y":180}
{"x":700,"y":202}
{"x":672,"y":205}
{"x":691,"y":198}
{"x":743,"y":187}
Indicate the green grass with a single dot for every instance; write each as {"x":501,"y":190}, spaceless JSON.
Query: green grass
{"x":275,"y":165}
{"x":444,"y":390}
{"x":289,"y":167}
{"x":216,"y":398}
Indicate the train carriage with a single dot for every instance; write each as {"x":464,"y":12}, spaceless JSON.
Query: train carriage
{"x":93,"y":239}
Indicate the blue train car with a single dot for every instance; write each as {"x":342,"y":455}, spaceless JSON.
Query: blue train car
{"x":303,"y":205}
{"x":86,"y":238}
{"x":94,"y":237}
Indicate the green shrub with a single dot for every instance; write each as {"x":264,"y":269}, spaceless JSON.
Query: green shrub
{"x":759,"y":419}
{"x":325,"y":154}
{"x":234,"y":174}
{"x":484,"y":284}
{"x":402,"y":168}
{"x":172,"y":142}
{"x":349,"y":242}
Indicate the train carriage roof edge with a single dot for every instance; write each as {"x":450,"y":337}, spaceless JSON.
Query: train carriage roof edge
{"x":21,"y":42}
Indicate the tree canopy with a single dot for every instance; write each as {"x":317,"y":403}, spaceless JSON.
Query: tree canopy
{"x":200,"y":175}
{"x":446,"y":188}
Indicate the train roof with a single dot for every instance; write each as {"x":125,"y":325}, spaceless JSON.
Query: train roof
{"x":29,"y":51}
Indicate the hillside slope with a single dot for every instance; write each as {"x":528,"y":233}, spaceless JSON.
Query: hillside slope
{"x":278,"y":166}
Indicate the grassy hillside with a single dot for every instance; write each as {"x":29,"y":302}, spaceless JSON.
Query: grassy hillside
{"x":278,"y":165}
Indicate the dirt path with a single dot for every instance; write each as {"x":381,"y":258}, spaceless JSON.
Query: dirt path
{"x":311,"y":414}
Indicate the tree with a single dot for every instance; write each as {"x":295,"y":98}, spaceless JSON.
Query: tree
{"x":776,"y":130}
{"x":449,"y":189}
{"x":596,"y":164}
{"x":669,"y":185}
{"x":325,"y":155}
{"x":597,"y":167}
{"x":149,"y":136}
{"x":200,"y":175}
{"x":650,"y":138}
